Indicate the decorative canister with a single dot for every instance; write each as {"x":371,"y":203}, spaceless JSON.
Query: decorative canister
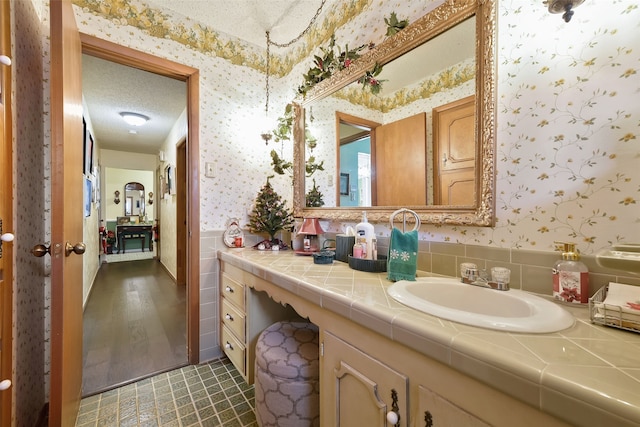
{"x":344,"y":247}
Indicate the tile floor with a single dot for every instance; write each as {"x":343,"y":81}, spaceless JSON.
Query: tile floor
{"x":210,"y":394}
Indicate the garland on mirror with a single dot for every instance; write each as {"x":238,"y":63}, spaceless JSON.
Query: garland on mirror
{"x":329,"y":63}
{"x":394,"y":25}
{"x":333,"y":61}
{"x":369,"y":79}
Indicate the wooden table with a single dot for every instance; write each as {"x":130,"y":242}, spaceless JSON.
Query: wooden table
{"x":142,"y":232}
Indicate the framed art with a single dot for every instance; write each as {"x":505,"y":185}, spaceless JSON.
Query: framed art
{"x":170,"y":179}
{"x":344,"y":184}
{"x":84,"y":146}
{"x":87,"y":197}
{"x":87,"y":167}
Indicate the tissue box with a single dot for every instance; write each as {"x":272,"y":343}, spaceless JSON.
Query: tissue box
{"x":616,"y":305}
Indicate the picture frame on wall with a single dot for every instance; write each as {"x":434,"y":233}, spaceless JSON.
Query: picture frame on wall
{"x":96,"y":186}
{"x":170,"y":179}
{"x":87,"y":196}
{"x":344,"y":184}
{"x":84,"y":146}
{"x":87,"y":156}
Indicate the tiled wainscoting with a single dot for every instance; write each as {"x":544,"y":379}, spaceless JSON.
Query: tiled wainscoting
{"x":530,"y":270}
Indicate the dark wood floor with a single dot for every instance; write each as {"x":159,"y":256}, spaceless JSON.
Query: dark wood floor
{"x":134,"y":325}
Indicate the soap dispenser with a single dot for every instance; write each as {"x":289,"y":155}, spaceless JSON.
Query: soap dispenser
{"x":570,"y":276}
{"x":365,"y":233}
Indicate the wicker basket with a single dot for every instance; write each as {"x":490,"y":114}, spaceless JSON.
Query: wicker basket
{"x":371,"y":265}
{"x":611,"y":315}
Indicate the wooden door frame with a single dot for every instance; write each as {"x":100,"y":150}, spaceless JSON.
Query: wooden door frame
{"x":126,"y":56}
{"x":362,"y":123}
{"x":181,"y":212}
{"x":6,"y":215}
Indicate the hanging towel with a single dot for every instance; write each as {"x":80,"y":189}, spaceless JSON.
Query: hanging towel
{"x":403,"y":254}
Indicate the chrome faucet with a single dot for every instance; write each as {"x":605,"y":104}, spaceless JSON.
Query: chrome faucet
{"x":481,"y":279}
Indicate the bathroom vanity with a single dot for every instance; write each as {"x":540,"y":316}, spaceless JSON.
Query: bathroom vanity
{"x":381,"y":361}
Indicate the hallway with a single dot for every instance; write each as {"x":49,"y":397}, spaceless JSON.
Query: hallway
{"x":134,"y":325}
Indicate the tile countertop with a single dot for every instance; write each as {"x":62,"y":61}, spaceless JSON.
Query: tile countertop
{"x":587,"y":374}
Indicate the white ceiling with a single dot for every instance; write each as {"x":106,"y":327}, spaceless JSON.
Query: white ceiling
{"x":249,"y":20}
{"x":110,"y":88}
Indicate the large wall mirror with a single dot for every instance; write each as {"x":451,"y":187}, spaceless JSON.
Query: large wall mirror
{"x":134,"y":199}
{"x":425,"y":141}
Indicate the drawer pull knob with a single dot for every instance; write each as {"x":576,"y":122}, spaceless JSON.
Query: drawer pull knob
{"x":229,"y":289}
{"x":229,"y":317}
{"x":228,"y":346}
{"x":392,"y":418}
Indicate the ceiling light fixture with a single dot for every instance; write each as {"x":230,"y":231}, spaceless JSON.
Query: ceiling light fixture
{"x":566,"y":6}
{"x":266,"y":135}
{"x":134,"y":119}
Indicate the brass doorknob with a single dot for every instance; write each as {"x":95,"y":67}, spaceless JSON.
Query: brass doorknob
{"x":41,"y":250}
{"x":78,"y":248}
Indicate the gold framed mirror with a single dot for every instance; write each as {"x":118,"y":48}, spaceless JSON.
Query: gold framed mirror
{"x":478,"y":208}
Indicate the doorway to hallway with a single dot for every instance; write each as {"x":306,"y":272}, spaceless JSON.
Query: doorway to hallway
{"x":134,"y":325}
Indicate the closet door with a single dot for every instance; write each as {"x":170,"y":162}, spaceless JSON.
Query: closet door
{"x":401,"y":162}
{"x":454,"y":152}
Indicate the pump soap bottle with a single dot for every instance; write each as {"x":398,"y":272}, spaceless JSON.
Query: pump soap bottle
{"x":570,"y":276}
{"x":364,"y":232}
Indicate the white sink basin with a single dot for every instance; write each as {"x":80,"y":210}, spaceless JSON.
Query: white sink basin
{"x":512,"y":310}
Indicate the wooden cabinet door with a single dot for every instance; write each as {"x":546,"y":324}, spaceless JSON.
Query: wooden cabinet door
{"x":454,"y":153}
{"x":434,"y":410}
{"x":357,"y":389}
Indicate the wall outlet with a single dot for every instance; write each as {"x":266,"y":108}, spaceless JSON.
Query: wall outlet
{"x":330,"y":180}
{"x":208,"y":169}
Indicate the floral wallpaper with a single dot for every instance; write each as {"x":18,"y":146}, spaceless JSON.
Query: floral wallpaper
{"x":567,"y":145}
{"x":31,"y":221}
{"x":566,"y":125}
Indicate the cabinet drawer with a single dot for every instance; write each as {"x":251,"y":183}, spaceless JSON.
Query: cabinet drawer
{"x":233,"y":291}
{"x":233,"y":319}
{"x":234,"y":350}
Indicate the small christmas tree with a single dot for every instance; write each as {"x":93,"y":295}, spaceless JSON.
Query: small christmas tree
{"x":314,"y":197}
{"x":269,"y":214}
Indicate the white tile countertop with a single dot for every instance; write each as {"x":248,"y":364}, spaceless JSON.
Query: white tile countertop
{"x":586,"y":375}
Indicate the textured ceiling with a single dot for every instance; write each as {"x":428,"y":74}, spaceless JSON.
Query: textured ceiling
{"x":249,"y":20}
{"x":110,"y":88}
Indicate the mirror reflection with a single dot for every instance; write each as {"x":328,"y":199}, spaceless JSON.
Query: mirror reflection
{"x":133,"y":199}
{"x":385,"y":142}
{"x":426,"y":140}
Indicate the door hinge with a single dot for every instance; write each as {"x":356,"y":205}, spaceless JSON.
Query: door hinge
{"x":322,"y":349}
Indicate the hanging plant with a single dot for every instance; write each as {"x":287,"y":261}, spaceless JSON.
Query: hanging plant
{"x":329,"y":63}
{"x":314,"y":197}
{"x":283,"y":132}
{"x":370,"y":81}
{"x":393,"y":25}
